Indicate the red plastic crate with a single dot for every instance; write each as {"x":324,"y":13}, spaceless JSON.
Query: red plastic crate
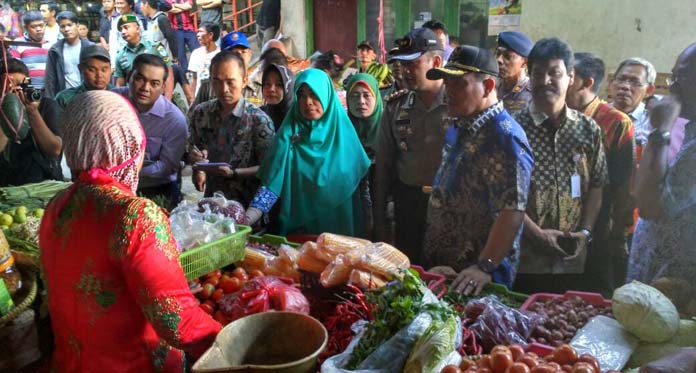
{"x":436,"y":282}
{"x":594,"y":299}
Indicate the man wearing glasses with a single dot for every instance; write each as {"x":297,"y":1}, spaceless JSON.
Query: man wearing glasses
{"x":633,"y":81}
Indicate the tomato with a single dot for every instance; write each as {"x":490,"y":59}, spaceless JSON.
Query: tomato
{"x":217,"y":295}
{"x":254,"y":273}
{"x":484,"y":361}
{"x":529,"y":361}
{"x":564,"y":355}
{"x":544,"y":368}
{"x":241,"y":274}
{"x":215,"y":273}
{"x":501,"y":360}
{"x":582,"y":367}
{"x":501,"y":348}
{"x":532,"y":355}
{"x":554,"y":365}
{"x":484,"y":370}
{"x":221,"y":318}
{"x":567,"y":368}
{"x":208,"y":290}
{"x":230,"y":284}
{"x":517,"y":351}
{"x":466,"y":364}
{"x":207,"y":308}
{"x":215,"y":280}
{"x":587,"y":358}
{"x":451,"y":369}
{"x":518,"y":368}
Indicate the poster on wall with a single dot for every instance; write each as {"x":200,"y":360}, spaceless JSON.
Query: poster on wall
{"x":504,"y":15}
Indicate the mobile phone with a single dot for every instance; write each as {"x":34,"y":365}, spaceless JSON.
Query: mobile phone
{"x":568,"y":245}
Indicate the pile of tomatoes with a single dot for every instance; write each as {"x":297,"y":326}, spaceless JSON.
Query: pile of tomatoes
{"x":213,"y":286}
{"x":513,"y":359}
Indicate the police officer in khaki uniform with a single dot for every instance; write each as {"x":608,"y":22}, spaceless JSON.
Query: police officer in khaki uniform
{"x":410,"y":145}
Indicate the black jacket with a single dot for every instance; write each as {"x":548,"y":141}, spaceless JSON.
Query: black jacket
{"x":55,"y":76}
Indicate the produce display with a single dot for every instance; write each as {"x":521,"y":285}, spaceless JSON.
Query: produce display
{"x":31,"y":196}
{"x":495,"y":323}
{"x":196,"y":224}
{"x":513,"y":359}
{"x":279,"y":261}
{"x":645,"y":312}
{"x":563,"y":318}
{"x":209,"y":289}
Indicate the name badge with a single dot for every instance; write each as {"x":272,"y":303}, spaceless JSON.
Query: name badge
{"x":575,"y":186}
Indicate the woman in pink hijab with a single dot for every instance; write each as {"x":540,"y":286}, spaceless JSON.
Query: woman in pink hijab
{"x":118,"y":298}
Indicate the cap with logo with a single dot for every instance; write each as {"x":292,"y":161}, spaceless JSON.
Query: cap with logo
{"x":234,"y":39}
{"x":466,"y":59}
{"x":127,"y":18}
{"x":415,"y":43}
{"x":94,"y":51}
{"x":366,"y":44}
{"x":516,"y":41}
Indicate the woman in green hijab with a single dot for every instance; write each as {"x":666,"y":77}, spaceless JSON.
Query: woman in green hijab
{"x":365,"y":110}
{"x":314,"y":166}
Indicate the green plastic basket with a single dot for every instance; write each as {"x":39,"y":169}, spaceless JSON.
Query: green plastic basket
{"x":273,"y":240}
{"x":215,"y":255}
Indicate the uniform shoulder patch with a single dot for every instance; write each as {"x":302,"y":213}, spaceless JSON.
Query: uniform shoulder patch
{"x":394,"y":95}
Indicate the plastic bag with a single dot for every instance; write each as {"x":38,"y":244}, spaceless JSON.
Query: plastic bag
{"x":329,"y":245}
{"x":307,"y":260}
{"x":192,"y":227}
{"x":285,"y":264}
{"x":380,"y":258}
{"x":432,"y":350}
{"x":218,"y":204}
{"x":606,"y":340}
{"x":497,"y":324}
{"x":337,"y":272}
{"x":262,"y":294}
{"x":365,"y":280}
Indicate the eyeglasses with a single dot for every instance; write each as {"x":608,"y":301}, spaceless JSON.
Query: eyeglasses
{"x":633,"y":82}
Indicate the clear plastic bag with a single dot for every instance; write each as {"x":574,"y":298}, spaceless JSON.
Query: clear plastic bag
{"x":497,"y":324}
{"x":193,"y":226}
{"x":605,"y":339}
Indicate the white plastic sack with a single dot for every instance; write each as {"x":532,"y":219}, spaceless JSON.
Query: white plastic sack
{"x":605,"y":339}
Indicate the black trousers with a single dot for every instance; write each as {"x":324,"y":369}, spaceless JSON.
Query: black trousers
{"x":410,"y":213}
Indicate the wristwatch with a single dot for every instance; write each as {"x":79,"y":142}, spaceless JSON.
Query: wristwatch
{"x":659,"y":138}
{"x":587,"y":233}
{"x":486,"y":265}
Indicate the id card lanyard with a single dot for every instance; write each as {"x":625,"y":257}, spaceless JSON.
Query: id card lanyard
{"x":575,"y":179}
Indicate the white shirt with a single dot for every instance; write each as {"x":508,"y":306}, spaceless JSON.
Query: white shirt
{"x":199,"y":63}
{"x":52,"y":34}
{"x":71,"y":58}
{"x":641,"y":123}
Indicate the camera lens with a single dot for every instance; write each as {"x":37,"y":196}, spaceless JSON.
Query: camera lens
{"x":35,"y":95}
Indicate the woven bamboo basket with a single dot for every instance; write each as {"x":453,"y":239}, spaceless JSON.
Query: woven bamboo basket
{"x":29,"y":288}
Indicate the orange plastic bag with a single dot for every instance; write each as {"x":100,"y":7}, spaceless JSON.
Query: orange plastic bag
{"x":330,"y":245}
{"x":336,"y":273}
{"x":365,"y":280}
{"x":306,"y":258}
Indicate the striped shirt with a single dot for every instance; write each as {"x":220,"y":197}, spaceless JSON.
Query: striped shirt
{"x":35,"y":59}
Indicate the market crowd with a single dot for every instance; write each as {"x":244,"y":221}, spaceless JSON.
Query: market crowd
{"x":500,"y":165}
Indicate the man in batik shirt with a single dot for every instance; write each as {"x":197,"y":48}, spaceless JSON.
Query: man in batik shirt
{"x":608,"y":255}
{"x":231,"y":131}
{"x":476,"y":210}
{"x":570,"y":171}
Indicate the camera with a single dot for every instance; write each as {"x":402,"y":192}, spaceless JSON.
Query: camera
{"x":32,"y":93}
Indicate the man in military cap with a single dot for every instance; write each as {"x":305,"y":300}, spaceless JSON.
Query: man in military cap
{"x":477,"y":206}
{"x":410,"y":146}
{"x":135,"y":45}
{"x":511,"y":54}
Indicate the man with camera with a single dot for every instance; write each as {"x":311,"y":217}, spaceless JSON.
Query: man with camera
{"x":30,"y":143}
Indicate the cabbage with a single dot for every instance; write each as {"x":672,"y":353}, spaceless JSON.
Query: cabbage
{"x":686,"y":335}
{"x":433,"y":346}
{"x":645,"y":312}
{"x":649,"y":352}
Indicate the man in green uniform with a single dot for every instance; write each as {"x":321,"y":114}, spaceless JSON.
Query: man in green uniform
{"x":135,"y":45}
{"x":412,"y":134}
{"x":95,"y":68}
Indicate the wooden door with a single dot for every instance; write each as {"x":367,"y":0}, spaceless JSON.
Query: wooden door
{"x":335,"y":26}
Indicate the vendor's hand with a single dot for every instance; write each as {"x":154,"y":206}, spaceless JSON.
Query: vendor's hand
{"x":222,"y":171}
{"x":664,"y":113}
{"x":682,"y":361}
{"x":446,"y":271}
{"x":580,"y":245}
{"x":471,"y":280}
{"x":253,"y":215}
{"x":549,"y":238}
{"x":198,"y":178}
{"x":196,"y":155}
